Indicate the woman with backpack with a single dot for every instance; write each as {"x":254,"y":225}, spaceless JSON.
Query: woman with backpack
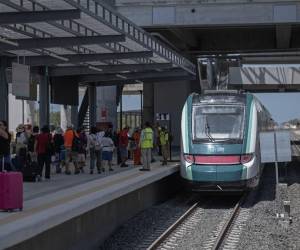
{"x":94,"y":146}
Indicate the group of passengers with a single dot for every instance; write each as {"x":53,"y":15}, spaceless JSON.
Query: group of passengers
{"x":41,"y":148}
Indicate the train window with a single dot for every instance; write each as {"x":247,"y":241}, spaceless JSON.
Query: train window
{"x":218,"y":122}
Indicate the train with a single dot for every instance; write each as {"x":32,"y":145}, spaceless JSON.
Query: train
{"x":220,"y":149}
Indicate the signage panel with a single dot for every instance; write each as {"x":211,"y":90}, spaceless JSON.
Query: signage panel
{"x":275,"y":146}
{"x":21,"y":80}
{"x":283,"y":144}
{"x":267,"y":147}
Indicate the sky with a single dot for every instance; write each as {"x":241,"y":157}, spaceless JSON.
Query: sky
{"x":282,"y":106}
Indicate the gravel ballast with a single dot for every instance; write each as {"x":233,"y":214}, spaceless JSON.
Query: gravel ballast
{"x":260,"y":230}
{"x":263,"y":229}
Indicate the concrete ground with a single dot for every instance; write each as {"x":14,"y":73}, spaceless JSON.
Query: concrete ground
{"x":61,"y":181}
{"x":48,"y":204}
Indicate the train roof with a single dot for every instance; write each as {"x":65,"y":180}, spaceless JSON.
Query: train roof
{"x":219,"y":97}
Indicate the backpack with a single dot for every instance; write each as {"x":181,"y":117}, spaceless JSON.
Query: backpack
{"x":76,"y":143}
{"x":94,"y":142}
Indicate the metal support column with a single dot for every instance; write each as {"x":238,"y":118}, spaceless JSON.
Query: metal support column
{"x":121,"y":111}
{"x":148,"y":103}
{"x":92,"y":104}
{"x":3,"y":90}
{"x":74,"y":116}
{"x":141,"y":100}
{"x":44,"y":103}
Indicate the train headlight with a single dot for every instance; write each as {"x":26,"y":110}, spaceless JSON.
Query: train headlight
{"x":189,"y":158}
{"x":246,"y":158}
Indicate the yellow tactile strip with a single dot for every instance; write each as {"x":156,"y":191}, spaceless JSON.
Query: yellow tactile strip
{"x":63,"y":200}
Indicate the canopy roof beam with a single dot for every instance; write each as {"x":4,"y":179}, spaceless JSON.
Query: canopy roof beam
{"x":80,"y":58}
{"x":132,"y":76}
{"x":38,"y":16}
{"x":82,"y":70}
{"x":147,"y":80}
{"x":42,"y":43}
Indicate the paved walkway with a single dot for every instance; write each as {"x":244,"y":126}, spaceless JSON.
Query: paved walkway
{"x":64,"y":197}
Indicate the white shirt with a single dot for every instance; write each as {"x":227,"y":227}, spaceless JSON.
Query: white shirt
{"x":107,"y":144}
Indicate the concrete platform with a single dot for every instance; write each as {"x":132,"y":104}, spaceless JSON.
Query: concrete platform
{"x":60,"y":207}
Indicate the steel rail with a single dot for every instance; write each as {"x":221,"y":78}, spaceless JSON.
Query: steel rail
{"x":175,"y":225}
{"x":222,"y":236}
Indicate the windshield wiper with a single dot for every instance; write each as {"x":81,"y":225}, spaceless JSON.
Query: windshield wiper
{"x":207,"y":131}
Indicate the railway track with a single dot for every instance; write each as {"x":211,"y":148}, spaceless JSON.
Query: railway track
{"x":225,"y":236}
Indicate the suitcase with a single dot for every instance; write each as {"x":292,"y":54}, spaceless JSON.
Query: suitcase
{"x":11,"y":191}
{"x":30,"y":172}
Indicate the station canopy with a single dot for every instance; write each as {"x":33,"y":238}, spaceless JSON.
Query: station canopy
{"x":87,"y":39}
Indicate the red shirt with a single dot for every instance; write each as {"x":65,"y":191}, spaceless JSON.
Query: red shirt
{"x":42,"y":141}
{"x":123,"y":138}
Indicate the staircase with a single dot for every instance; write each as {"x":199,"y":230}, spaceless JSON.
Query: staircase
{"x":86,"y":121}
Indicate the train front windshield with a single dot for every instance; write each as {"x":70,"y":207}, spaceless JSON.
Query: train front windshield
{"x":216,"y":123}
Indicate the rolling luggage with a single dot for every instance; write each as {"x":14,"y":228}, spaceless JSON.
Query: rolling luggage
{"x":30,"y":171}
{"x":11,"y":191}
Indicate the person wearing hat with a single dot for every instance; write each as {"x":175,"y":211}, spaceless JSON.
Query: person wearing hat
{"x":58,"y":140}
{"x":21,"y":145}
{"x":31,"y":142}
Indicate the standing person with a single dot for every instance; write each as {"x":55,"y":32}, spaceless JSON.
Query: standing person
{"x":71,"y":145}
{"x":94,"y":147}
{"x":58,"y":140}
{"x":43,"y":148}
{"x":21,"y":142}
{"x":164,"y":142}
{"x":146,"y":144}
{"x":5,"y":139}
{"x":107,"y":150}
{"x":31,"y":142}
{"x":100,"y":135}
{"x":123,"y":146}
{"x":157,"y":130}
{"x":82,"y":149}
{"x":137,"y":151}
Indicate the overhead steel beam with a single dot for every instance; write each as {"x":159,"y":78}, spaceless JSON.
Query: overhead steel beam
{"x":267,"y":87}
{"x":151,"y":80}
{"x":79,"y":58}
{"x":82,"y":70}
{"x":133,"y":76}
{"x":38,"y":16}
{"x":42,"y":43}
